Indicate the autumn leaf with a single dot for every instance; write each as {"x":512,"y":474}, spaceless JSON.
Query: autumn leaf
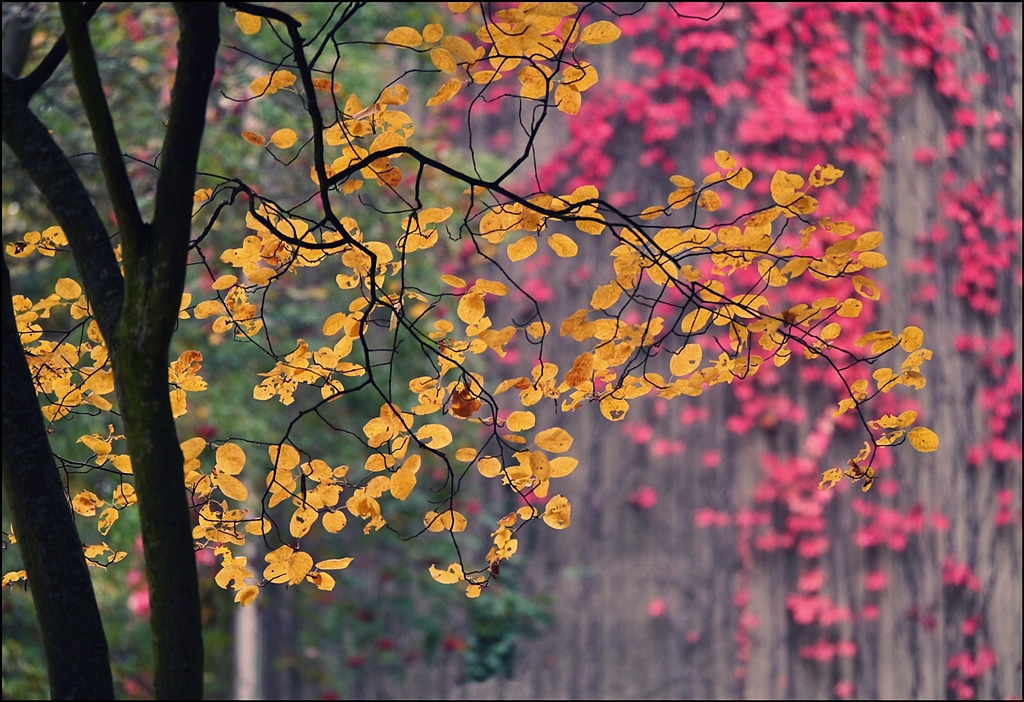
{"x":452,"y":574}
{"x":923,"y":439}
{"x":283,"y":138}
{"x":249,"y":24}
{"x":602,"y":32}
{"x":555,"y":440}
{"x":404,"y":36}
{"x":557,"y":512}
{"x":686,"y":360}
{"x":334,"y":564}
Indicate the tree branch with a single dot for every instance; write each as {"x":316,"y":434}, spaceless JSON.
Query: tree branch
{"x":69,"y":201}
{"x":172,"y":213}
{"x":90,"y":88}
{"x":30,"y":84}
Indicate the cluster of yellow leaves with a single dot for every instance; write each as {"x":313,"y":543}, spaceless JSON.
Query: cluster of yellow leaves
{"x":535,"y":33}
{"x":312,"y":487}
{"x":895,"y":428}
{"x":86,"y":503}
{"x":389,"y":128}
{"x":46,"y":243}
{"x":70,"y":375}
{"x":183,"y":375}
{"x":322,"y":368}
{"x":286,"y":565}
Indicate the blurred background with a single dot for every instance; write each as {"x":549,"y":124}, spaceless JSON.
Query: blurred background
{"x":702,"y":562}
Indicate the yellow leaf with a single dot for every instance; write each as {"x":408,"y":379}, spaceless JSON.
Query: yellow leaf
{"x":696,"y":320}
{"x":258,"y":527}
{"x":334,"y":521}
{"x":303,"y":519}
{"x":784,"y":187}
{"x":614,"y":409}
{"x":443,"y":60}
{"x":283,"y":138}
{"x":231,"y":486}
{"x":865,"y":287}
{"x":868,"y":241}
{"x":281,"y":79}
{"x":459,"y":7}
{"x":850,"y":308}
{"x":249,"y":24}
{"x":491,"y":286}
{"x":202,"y":195}
{"x":486,"y":77}
{"x":538,"y":329}
{"x":724,"y":159}
{"x":299,"y":564}
{"x":923,"y":439}
{"x":283,"y":456}
{"x":581,"y":372}
{"x":332,"y":325}
{"x":247,"y":595}
{"x":563,"y":466}
{"x":605,"y":296}
{"x":489,"y":467}
{"x":555,"y":440}
{"x":829,"y":478}
{"x":523,"y":248}
{"x":568,"y":98}
{"x":686,"y":360}
{"x":13,"y":577}
{"x":824,"y":175}
{"x":85,"y":503}
{"x":520,"y":421}
{"x":222,"y":283}
{"x":326,"y":85}
{"x":602,"y":32}
{"x":253,"y":138}
{"x":230,"y":458}
{"x":208,"y":308}
{"x":124,"y":495}
{"x":404,"y":36}
{"x":557,"y":512}
{"x":68,"y":289}
{"x":465,"y":454}
{"x":334,"y":564}
{"x":872,"y":259}
{"x":709,"y":200}
{"x":446,"y":577}
{"x":473,"y":591}
{"x":911,"y":339}
{"x":741,"y":179}
{"x":831,"y":331}
{"x":404,"y":479}
{"x":460,"y":49}
{"x":95,"y":444}
{"x":122,"y":463}
{"x":434,"y":436}
{"x":107,"y":519}
{"x":471,"y":308}
{"x":396,"y":94}
{"x":433,"y":33}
